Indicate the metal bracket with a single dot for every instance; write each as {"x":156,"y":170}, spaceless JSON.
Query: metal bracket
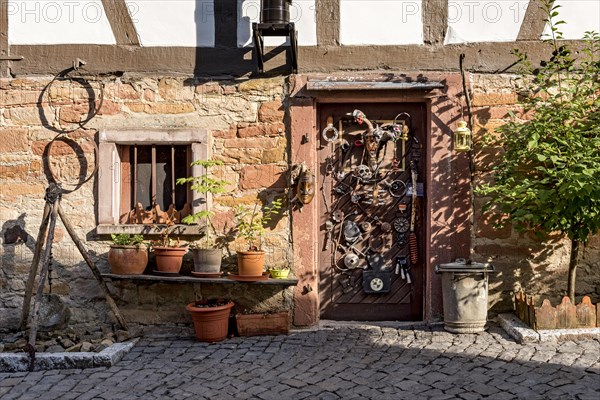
{"x":260,"y":30}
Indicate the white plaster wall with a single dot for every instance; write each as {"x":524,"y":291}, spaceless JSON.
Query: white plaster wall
{"x":383,"y":22}
{"x":302,"y":13}
{"x":484,"y":21}
{"x":58,"y":22}
{"x":580,"y":16}
{"x":188,"y":23}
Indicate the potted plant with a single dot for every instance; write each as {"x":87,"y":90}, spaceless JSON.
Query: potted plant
{"x":169,"y":252}
{"x":251,"y":226}
{"x":281,"y":272}
{"x":206,"y":253}
{"x":211,"y":319}
{"x":548,"y":177}
{"x":128,"y":255}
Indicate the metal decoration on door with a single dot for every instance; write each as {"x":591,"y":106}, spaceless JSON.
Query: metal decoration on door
{"x":373,"y":173}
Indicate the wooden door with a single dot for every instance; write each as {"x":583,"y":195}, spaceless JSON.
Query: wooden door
{"x":371,"y":225}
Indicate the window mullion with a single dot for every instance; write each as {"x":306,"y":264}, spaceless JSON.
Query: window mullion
{"x":153,"y":175}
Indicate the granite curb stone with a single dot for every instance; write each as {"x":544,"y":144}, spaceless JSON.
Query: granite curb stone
{"x":19,"y":362}
{"x":522,"y":333}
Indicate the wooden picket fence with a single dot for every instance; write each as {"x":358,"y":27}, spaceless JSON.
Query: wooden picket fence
{"x":564,"y":316}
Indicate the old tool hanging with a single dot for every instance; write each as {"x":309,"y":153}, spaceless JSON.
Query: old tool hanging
{"x":412,"y":237}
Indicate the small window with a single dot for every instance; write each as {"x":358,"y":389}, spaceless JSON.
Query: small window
{"x":137,"y":174}
{"x":149,"y":191}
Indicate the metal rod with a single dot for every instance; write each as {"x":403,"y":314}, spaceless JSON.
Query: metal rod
{"x":42,"y":280}
{"x":173,"y":176}
{"x":34,"y":266}
{"x":153,"y":175}
{"x":135,"y":177}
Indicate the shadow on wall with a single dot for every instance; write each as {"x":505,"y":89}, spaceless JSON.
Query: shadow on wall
{"x":228,"y":23}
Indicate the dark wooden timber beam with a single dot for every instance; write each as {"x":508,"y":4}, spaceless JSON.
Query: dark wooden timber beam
{"x":485,"y":57}
{"x":328,"y":23}
{"x":4,"y":65}
{"x":534,"y":22}
{"x":121,"y":22}
{"x":435,"y":21}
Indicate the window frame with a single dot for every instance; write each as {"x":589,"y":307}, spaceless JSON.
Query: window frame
{"x":108,"y":199}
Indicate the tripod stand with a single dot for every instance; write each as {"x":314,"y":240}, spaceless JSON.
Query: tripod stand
{"x":53,"y":210}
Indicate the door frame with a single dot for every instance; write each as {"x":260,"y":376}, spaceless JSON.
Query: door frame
{"x":447,"y":182}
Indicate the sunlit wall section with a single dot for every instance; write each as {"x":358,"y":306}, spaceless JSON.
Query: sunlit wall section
{"x":484,"y":21}
{"x":381,"y":22}
{"x":58,"y":22}
{"x":187,"y":23}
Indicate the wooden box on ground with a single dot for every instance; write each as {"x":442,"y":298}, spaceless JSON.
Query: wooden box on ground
{"x":263,"y":324}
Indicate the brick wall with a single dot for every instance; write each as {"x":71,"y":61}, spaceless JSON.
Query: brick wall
{"x":246,"y":120}
{"x":522,"y":260}
{"x":246,"y":124}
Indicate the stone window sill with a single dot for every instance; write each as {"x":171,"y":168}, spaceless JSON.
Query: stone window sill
{"x":179,"y":229}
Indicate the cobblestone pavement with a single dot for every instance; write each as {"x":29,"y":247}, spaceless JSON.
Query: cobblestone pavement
{"x":342,"y":362}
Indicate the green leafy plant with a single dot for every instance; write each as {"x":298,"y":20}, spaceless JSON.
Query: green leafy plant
{"x":548,"y":179}
{"x":165,"y":239}
{"x":204,"y":184}
{"x":251,"y":225}
{"x":125,"y":239}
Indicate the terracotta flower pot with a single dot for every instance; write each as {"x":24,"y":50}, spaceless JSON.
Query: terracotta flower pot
{"x":211,"y":322}
{"x":169,"y":259}
{"x":207,"y":260}
{"x":250,"y":263}
{"x":128,"y":260}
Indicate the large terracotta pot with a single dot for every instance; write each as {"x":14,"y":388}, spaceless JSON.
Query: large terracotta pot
{"x":128,"y":260}
{"x":207,"y":260}
{"x":250,"y":263}
{"x":169,"y":259}
{"x":211,"y":322}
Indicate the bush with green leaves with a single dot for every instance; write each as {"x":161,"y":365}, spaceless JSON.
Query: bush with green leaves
{"x":204,"y":184}
{"x":548,"y":178}
{"x":125,"y":239}
{"x":251,"y":225}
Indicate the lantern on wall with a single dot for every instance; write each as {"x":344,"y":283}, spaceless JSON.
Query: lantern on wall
{"x":462,"y":138}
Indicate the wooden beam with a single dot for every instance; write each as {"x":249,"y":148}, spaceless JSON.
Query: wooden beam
{"x":121,"y":22}
{"x":435,"y":21}
{"x":534,"y":22}
{"x":4,"y":51}
{"x":328,"y":23}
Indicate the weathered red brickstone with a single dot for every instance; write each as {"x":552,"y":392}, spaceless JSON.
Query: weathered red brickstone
{"x":271,"y":111}
{"x":492,"y":99}
{"x":13,"y":140}
{"x":262,"y":176}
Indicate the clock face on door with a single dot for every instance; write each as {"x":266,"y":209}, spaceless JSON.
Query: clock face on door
{"x":401,"y":224}
{"x":376,"y":284}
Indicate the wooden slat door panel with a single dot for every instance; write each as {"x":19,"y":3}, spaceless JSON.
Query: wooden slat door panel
{"x":341,"y":289}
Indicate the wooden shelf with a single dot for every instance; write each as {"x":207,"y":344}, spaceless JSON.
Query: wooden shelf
{"x":192,"y":279}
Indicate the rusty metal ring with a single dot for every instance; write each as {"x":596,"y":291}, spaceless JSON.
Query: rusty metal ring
{"x":83,"y":80}
{"x":73,"y":144}
{"x":333,"y":137}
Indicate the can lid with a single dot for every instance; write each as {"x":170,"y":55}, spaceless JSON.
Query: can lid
{"x":462,"y":265}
